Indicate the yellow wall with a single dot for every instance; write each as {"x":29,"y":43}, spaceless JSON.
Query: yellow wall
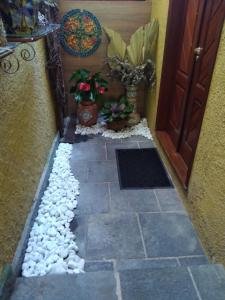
{"x":160,"y":12}
{"x":205,"y":199}
{"x":206,"y":193}
{"x":27,"y":129}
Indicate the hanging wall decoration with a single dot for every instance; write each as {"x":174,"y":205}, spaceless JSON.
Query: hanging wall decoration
{"x":80,"y":33}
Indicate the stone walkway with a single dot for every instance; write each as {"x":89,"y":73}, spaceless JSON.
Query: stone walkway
{"x":138,"y":244}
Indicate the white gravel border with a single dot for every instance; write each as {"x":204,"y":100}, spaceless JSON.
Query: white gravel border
{"x":139,"y":129}
{"x":51,"y":247}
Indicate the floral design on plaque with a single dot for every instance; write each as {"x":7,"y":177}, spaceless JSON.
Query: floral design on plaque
{"x":80,"y":33}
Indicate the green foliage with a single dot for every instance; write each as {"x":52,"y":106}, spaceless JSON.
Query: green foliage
{"x":87,"y":86}
{"x":117,"y":110}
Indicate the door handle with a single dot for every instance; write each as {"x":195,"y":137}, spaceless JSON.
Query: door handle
{"x":198,"y":52}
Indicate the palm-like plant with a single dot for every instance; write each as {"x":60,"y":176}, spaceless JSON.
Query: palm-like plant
{"x":133,"y":63}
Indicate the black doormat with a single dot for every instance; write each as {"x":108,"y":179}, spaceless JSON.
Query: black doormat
{"x":141,"y":169}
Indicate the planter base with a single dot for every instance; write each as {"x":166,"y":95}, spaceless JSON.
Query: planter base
{"x":134,"y":119}
{"x":117,"y":125}
{"x":87,"y":113}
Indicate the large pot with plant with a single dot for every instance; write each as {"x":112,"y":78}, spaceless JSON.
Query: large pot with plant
{"x":134,"y":63}
{"x":87,"y":90}
{"x":116,"y":113}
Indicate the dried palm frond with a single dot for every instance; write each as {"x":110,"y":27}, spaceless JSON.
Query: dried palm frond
{"x":135,"y":49}
{"x":117,"y":46}
{"x":134,"y":63}
{"x":150,"y":39}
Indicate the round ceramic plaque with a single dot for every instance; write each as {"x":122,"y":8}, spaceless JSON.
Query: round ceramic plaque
{"x":80,"y":33}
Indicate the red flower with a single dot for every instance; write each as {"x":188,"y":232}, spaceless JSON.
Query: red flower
{"x":84,"y":87}
{"x":87,"y":87}
{"x":81,"y":86}
{"x":101,"y":90}
{"x":96,"y":85}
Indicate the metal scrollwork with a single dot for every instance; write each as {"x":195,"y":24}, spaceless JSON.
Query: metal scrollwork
{"x":10,"y":64}
{"x":28,"y":53}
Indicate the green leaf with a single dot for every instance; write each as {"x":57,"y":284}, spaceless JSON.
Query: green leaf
{"x":73,"y":76}
{"x":78,"y":97}
{"x":73,"y":89}
{"x":123,"y":100}
{"x":84,"y":72}
{"x":81,"y":74}
{"x":91,"y":96}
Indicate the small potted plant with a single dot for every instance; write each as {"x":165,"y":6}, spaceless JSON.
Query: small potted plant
{"x":87,"y":89}
{"x":117,"y":113}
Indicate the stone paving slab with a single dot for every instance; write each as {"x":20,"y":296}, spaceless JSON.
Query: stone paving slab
{"x":79,"y":169}
{"x":169,"y":235}
{"x":95,"y":266}
{"x":81,"y":151}
{"x":169,"y":200}
{"x":93,"y":198}
{"x":192,"y":261}
{"x":136,"y":138}
{"x":87,"y":286}
{"x":210,"y":281}
{"x":141,"y":200}
{"x":146,"y":144}
{"x":102,"y":171}
{"x":157,"y":284}
{"x":114,"y":236}
{"x":141,"y":264}
{"x":94,"y":139}
{"x":79,"y":227}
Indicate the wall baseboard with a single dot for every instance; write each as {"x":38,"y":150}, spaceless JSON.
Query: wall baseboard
{"x":6,"y":280}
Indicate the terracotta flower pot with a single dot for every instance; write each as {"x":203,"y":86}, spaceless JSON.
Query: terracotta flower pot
{"x":117,"y":125}
{"x":87,"y":113}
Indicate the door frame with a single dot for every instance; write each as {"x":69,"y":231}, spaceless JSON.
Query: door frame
{"x":175,"y":27}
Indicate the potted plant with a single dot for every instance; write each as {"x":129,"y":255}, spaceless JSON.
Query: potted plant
{"x":117,"y":113}
{"x":133,"y":63}
{"x":131,"y":76}
{"x":87,"y":89}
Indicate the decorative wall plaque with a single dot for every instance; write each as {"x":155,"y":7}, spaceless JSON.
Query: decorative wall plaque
{"x":80,"y":33}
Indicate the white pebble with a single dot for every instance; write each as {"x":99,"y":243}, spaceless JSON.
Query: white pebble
{"x":51,"y":245}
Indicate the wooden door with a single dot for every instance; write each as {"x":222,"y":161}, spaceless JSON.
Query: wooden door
{"x":184,"y":69}
{"x":192,"y":62}
{"x":201,"y":79}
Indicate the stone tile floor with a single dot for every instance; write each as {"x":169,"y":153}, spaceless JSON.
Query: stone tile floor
{"x":116,"y":224}
{"x":137,"y":244}
{"x":125,"y":230}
